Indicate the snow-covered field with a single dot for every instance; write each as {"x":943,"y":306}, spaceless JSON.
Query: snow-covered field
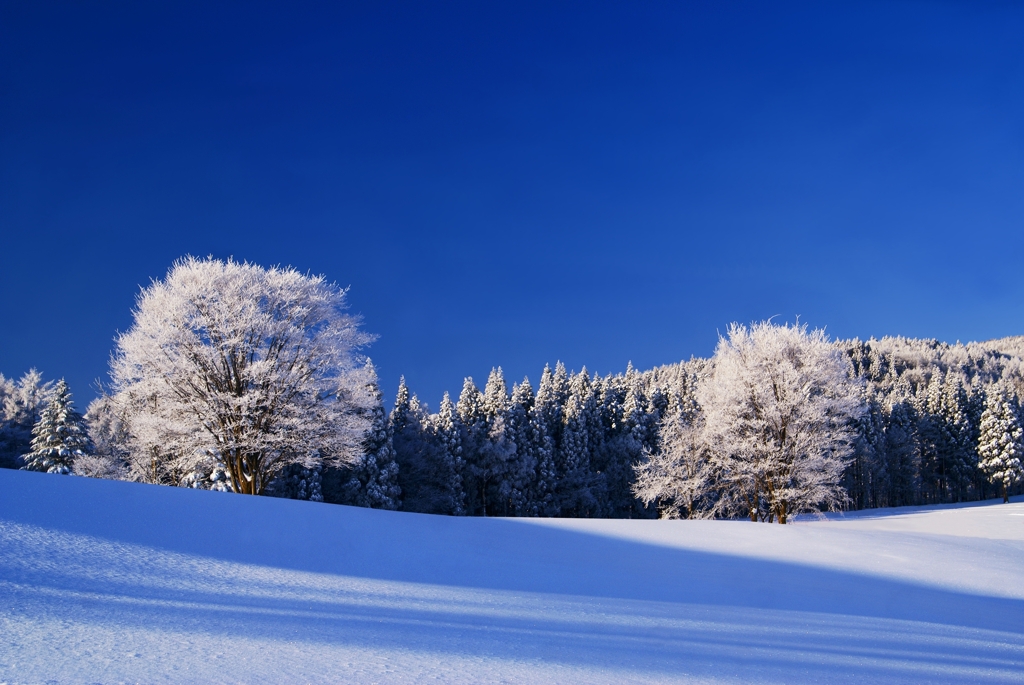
{"x":107,"y":582}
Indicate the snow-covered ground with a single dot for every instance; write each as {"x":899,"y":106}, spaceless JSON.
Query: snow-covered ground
{"x":107,"y":582}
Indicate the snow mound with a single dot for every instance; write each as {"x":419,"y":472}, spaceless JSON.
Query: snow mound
{"x":110,"y":582}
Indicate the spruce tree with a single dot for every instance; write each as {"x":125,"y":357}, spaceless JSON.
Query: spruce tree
{"x":1001,"y":444}
{"x":522,"y":467}
{"x":574,"y":495}
{"x":933,"y":437}
{"x":473,"y":416}
{"x":59,"y":437}
{"x":546,"y":419}
{"x":448,"y":429}
{"x":901,"y":446}
{"x":615,"y":457}
{"x":498,"y":448}
{"x":959,"y":455}
{"x":413,"y":453}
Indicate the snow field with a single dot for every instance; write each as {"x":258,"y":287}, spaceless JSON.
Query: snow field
{"x":110,"y":582}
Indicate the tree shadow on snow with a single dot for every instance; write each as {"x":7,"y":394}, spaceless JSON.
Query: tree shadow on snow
{"x":167,"y":557}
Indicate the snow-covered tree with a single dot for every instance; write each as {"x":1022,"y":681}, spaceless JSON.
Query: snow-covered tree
{"x":109,"y":434}
{"x":21,"y":404}
{"x":680,"y":477}
{"x":250,"y":368}
{"x":427,"y":469}
{"x":1001,"y":445}
{"x":779,"y":408}
{"x":546,"y":420}
{"x":59,"y":437}
{"x":475,"y":447}
{"x":522,"y":468}
{"x":496,"y":448}
{"x":448,"y":431}
{"x":901,"y":447}
{"x":373,"y":480}
{"x":294,"y":481}
{"x":574,"y":495}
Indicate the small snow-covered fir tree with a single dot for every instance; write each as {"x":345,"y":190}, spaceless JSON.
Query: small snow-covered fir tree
{"x":59,"y":437}
{"x":1001,"y":445}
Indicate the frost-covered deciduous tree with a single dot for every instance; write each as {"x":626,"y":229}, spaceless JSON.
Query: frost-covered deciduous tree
{"x":60,"y":437}
{"x":779,"y":407}
{"x":231,"y":365}
{"x":680,"y":476}
{"x":1001,"y":445}
{"x":108,"y":430}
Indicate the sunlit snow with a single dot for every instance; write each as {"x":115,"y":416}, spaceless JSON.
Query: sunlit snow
{"x":108,"y":582}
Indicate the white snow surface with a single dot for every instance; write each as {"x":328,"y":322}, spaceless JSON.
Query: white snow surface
{"x":111,"y":582}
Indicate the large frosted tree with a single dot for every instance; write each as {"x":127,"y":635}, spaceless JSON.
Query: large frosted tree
{"x":779,"y":409}
{"x":235,"y":366}
{"x":59,"y":437}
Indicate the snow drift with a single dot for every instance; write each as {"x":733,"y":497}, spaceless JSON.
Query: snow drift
{"x":105,"y":581}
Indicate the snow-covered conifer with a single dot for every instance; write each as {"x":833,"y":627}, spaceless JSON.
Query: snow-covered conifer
{"x":498,"y":448}
{"x":960,"y":439}
{"x":23,"y":403}
{"x":546,"y":419}
{"x":574,"y":495}
{"x":59,"y":437}
{"x":522,"y":468}
{"x":449,"y":434}
{"x":933,"y":437}
{"x":1001,"y":444}
{"x":411,"y":449}
{"x":902,"y":447}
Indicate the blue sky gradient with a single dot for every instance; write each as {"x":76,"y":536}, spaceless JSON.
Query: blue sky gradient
{"x":517,"y":183}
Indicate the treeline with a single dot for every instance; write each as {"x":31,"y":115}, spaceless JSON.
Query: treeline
{"x":919,"y":441}
{"x":571,"y":446}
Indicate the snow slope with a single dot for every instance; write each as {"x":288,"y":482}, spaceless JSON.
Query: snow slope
{"x":107,"y":582}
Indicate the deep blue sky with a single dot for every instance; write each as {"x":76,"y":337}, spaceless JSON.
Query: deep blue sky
{"x":513,"y":183}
